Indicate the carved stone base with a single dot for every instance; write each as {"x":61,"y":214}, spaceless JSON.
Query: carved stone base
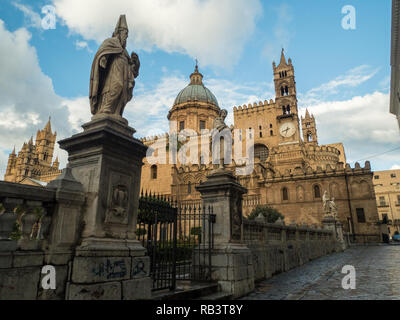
{"x":107,"y":161}
{"x":331,"y":223}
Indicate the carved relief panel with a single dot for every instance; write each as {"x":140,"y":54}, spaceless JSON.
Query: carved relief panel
{"x":118,"y":201}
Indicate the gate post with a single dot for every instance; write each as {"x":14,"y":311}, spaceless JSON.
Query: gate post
{"x":106,"y":159}
{"x":231,"y":259}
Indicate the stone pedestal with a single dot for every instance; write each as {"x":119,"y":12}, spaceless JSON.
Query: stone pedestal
{"x":331,"y":223}
{"x":231,"y":259}
{"x":107,"y":161}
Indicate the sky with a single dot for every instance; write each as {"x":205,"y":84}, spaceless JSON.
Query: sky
{"x":342,"y":74}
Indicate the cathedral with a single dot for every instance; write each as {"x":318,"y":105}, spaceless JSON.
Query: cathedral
{"x":34,"y":163}
{"x":291,"y":169}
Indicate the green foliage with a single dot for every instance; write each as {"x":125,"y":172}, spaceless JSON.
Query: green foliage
{"x":164,"y":251}
{"x":195,"y":231}
{"x":16,"y":233}
{"x":38,"y":213}
{"x":268,"y":212}
{"x":141,"y":231}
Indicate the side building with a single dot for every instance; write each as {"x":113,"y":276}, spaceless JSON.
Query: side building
{"x":387,"y":191}
{"x":34,"y":163}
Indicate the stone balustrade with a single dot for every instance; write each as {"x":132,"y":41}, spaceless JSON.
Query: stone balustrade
{"x":277,"y":247}
{"x":26,"y":216}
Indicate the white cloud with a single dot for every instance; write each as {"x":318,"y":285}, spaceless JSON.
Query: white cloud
{"x":27,"y":96}
{"x":32,"y":18}
{"x":351,"y":79}
{"x":214,"y":31}
{"x":82,"y":45}
{"x":395,"y":167}
{"x":363,"y":124}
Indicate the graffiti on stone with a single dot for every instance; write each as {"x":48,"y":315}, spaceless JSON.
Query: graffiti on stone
{"x":111,"y":270}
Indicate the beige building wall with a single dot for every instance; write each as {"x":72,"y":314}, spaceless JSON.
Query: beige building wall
{"x":387,"y":191}
{"x":340,"y":147}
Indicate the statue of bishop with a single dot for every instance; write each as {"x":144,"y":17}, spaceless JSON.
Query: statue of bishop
{"x":113,"y":74}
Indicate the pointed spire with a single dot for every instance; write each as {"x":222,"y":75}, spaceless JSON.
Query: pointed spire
{"x":307,"y":114}
{"x":31,"y":141}
{"x":13,"y":152}
{"x":47,"y":128}
{"x":283,"y":59}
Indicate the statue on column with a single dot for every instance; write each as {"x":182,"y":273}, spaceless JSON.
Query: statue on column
{"x":219,"y":125}
{"x":329,"y":205}
{"x":113,"y":74}
{"x":219,"y":122}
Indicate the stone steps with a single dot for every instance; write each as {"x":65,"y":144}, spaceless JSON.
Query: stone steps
{"x":216,"y":296}
{"x":193,"y":291}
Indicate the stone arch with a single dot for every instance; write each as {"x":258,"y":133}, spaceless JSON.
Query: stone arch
{"x":334,"y":190}
{"x":316,"y":190}
{"x":300,"y":194}
{"x":153,"y":172}
{"x":355,"y":189}
{"x":285,"y":194}
{"x":364,"y":188}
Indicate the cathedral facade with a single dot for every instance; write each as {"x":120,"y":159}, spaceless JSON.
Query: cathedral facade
{"x":34,"y":164}
{"x":291,"y":170}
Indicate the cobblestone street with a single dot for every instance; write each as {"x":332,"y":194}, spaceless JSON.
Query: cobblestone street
{"x":377,"y":277}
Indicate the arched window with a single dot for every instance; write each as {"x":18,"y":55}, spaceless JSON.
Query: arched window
{"x":153,"y":172}
{"x":271,"y":132}
{"x":317,"y":192}
{"x":261,"y":152}
{"x":285,"y":194}
{"x":288,"y":109}
{"x":286,"y":90}
{"x":189,"y":190}
{"x":282,"y":91}
{"x":309,"y":137}
{"x":283,"y":110}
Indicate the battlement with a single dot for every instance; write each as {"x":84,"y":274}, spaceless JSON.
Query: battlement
{"x":261,"y":106}
{"x":151,"y":139}
{"x":309,"y":172}
{"x":322,"y":149}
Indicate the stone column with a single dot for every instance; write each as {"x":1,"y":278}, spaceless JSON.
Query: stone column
{"x":107,"y":160}
{"x":231,"y":259}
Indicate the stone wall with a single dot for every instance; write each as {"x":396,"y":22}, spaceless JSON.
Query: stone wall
{"x":278,"y":248}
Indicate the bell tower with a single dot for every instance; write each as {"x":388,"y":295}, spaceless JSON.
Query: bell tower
{"x":309,"y":129}
{"x":286,"y":101}
{"x":285,"y":86}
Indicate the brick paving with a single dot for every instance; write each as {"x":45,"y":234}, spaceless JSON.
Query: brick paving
{"x":377,"y":277}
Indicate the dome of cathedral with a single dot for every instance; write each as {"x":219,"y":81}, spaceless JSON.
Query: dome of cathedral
{"x":196,"y":91}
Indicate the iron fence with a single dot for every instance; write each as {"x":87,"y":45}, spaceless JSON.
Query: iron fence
{"x":178,"y":239}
